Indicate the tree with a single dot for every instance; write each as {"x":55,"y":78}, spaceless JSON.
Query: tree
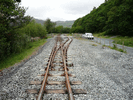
{"x":49,"y":25}
{"x":59,"y":29}
{"x":114,"y":17}
{"x":94,"y":8}
{"x":53,"y":26}
{"x":77,"y":29}
{"x":66,"y":30}
{"x":11,"y":18}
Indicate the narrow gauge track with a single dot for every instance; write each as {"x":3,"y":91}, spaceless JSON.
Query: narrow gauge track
{"x":59,"y":48}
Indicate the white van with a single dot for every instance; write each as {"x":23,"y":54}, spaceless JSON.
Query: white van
{"x":88,"y":35}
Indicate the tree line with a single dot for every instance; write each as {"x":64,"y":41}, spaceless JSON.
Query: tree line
{"x":17,"y":30}
{"x":113,"y":17}
{"x":50,"y":27}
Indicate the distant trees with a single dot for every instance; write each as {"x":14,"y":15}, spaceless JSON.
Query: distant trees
{"x":34,"y":29}
{"x":52,"y":28}
{"x":16,"y":29}
{"x":77,"y":29}
{"x":60,"y":29}
{"x":11,"y":18}
{"x":66,"y":30}
{"x":49,"y":25}
{"x":114,"y":17}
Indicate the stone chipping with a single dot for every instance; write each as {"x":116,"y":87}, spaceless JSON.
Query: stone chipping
{"x":105,"y":74}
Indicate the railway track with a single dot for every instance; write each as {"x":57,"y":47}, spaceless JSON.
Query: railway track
{"x":57,"y":62}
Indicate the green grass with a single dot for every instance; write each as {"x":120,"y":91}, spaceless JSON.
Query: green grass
{"x":70,"y":34}
{"x":16,"y":58}
{"x":94,"y":45}
{"x":127,"y":41}
{"x":102,"y":35}
{"x":115,"y":48}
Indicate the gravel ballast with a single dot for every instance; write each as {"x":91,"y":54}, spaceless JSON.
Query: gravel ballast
{"x":106,"y":74}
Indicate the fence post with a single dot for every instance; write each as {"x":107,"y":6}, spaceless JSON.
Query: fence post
{"x":123,"y":45}
{"x":116,"y":44}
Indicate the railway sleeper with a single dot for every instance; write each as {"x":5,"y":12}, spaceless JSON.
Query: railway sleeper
{"x":57,"y":91}
{"x":55,"y":82}
{"x":55,"y":75}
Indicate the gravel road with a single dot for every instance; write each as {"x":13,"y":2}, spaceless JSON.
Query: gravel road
{"x":106,"y":74}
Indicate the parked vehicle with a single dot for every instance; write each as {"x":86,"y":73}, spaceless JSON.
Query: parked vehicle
{"x":88,"y":35}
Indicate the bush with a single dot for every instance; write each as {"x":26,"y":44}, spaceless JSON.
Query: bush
{"x":34,"y":30}
{"x":77,"y":29}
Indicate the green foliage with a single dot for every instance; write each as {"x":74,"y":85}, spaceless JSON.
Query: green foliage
{"x":24,"y":34}
{"x":34,"y":30}
{"x":15,"y":58}
{"x":77,"y":29}
{"x":122,"y":40}
{"x":115,"y":48}
{"x":49,"y":25}
{"x":11,"y":18}
{"x":114,"y":17}
{"x":94,"y":45}
{"x":59,"y":29}
{"x":128,"y":41}
{"x":66,"y":30}
{"x":16,"y":29}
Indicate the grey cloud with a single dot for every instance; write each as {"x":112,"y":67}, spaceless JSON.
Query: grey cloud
{"x":39,"y":12}
{"x":81,"y":7}
{"x":63,"y":10}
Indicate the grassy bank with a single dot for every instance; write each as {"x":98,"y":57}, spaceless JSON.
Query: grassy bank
{"x":127,"y":41}
{"x":70,"y":34}
{"x":115,"y":48}
{"x":16,"y":58}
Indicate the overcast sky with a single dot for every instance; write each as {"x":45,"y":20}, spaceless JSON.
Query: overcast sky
{"x":59,"y":9}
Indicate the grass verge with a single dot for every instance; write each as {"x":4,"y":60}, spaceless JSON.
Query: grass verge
{"x":70,"y":34}
{"x":16,"y":58}
{"x":101,"y":35}
{"x":115,"y":48}
{"x":94,"y":45}
{"x":122,"y":40}
{"x":127,"y":41}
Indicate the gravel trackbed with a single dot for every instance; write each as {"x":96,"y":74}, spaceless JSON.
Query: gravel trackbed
{"x":106,"y":74}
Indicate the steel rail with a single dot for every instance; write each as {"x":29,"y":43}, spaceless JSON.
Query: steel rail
{"x":45,"y":76}
{"x":71,"y":97}
{"x":53,"y":53}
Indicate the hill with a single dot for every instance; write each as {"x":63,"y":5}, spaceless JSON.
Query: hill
{"x":65,"y":23}
{"x":39,"y":21}
{"x":113,"y":17}
{"x":58,"y":23}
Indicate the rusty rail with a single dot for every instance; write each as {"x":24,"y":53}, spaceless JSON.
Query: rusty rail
{"x":50,"y":61}
{"x":46,"y":75}
{"x":71,"y":97}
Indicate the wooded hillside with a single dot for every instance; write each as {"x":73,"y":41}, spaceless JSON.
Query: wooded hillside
{"x":64,"y":23}
{"x":113,"y":17}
